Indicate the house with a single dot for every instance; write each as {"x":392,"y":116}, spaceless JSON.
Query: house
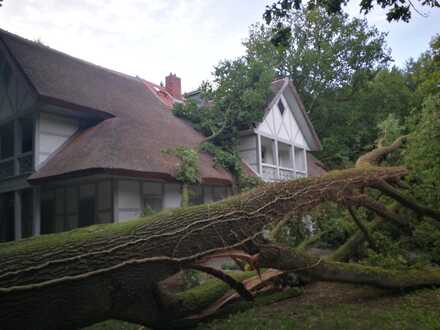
{"x":278,"y":148}
{"x":81,"y":144}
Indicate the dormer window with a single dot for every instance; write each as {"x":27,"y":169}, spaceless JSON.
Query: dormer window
{"x":281,"y":107}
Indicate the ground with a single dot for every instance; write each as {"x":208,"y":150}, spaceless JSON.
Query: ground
{"x":332,"y":306}
{"x":341,"y":306}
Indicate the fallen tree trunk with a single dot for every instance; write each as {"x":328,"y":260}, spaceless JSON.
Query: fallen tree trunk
{"x":80,"y":277}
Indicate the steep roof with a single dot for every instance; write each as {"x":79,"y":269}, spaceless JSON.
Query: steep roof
{"x":138,"y":127}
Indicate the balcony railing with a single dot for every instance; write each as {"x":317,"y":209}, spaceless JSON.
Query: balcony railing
{"x":273,"y":173}
{"x":6,"y":168}
{"x":25,"y":165}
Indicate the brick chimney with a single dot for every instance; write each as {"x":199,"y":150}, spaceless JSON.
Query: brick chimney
{"x":173,"y":86}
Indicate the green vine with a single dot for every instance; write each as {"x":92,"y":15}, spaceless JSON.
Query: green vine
{"x":187,"y":171}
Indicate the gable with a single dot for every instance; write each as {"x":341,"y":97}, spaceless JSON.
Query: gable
{"x":280,"y":123}
{"x":16,"y":95}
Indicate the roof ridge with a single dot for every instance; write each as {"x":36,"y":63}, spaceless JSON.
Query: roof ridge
{"x":59,"y":52}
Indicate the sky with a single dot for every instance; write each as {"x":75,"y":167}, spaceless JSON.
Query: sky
{"x":151,"y":38}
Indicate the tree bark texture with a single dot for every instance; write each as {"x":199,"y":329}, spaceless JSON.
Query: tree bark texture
{"x":73,"y":279}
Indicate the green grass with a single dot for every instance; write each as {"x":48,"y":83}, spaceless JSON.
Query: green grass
{"x":420,"y":310}
{"x":417,"y":310}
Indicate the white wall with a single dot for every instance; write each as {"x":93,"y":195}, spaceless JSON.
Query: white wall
{"x":53,"y":132}
{"x":283,"y":127}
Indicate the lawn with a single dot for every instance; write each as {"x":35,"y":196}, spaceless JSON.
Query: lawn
{"x":327,"y":306}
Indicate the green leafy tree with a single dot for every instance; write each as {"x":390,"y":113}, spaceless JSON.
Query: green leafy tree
{"x":187,"y":171}
{"x":282,"y":10}
{"x":234,"y":101}
{"x":331,"y":59}
{"x":423,"y":151}
{"x":423,"y":75}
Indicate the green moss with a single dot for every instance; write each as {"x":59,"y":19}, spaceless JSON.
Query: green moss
{"x":49,"y":241}
{"x":196,"y":298}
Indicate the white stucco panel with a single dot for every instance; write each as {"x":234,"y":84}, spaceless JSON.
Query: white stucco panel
{"x":53,"y":132}
{"x":282,"y":126}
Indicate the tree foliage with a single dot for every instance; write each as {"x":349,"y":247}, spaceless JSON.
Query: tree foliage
{"x":282,"y":10}
{"x":339,"y":65}
{"x":232,"y":102}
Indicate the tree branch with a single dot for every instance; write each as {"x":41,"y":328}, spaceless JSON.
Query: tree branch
{"x":363,"y":229}
{"x":375,"y":156}
{"x":303,"y":263}
{"x":234,"y":284}
{"x":407,"y":202}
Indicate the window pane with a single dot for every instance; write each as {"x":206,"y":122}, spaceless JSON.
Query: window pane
{"x":59,"y":201}
{"x":153,"y":202}
{"x":104,"y":217}
{"x":219,"y":193}
{"x":72,"y":200}
{"x":104,"y":195}
{"x":300,"y":161}
{"x":285,"y":155}
{"x":27,"y":135}
{"x":195,"y":195}
{"x":267,"y":151}
{"x":152,"y":188}
{"x":7,"y":141}
{"x":86,"y":205}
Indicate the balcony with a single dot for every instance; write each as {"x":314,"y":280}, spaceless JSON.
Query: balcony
{"x":16,"y":148}
{"x":281,"y":161}
{"x":6,"y":168}
{"x":273,"y":173}
{"x":15,"y":166}
{"x":25,"y":163}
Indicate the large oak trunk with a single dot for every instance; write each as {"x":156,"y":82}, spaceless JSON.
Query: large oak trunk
{"x":80,"y":277}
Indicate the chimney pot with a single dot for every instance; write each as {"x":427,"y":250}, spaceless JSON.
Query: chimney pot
{"x":173,"y":85}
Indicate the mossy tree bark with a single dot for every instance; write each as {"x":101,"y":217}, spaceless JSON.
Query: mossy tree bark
{"x":72,"y":279}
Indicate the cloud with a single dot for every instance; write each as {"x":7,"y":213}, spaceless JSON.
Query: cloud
{"x":151,"y":38}
{"x":140,"y":37}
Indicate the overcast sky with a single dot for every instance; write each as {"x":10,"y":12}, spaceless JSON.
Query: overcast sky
{"x":151,"y":38}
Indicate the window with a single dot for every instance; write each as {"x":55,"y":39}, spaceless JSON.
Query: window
{"x":285,"y":155}
{"x":27,"y":135}
{"x":48,"y":212}
{"x":71,"y":207}
{"x":219,"y":193}
{"x":152,"y":196}
{"x":300,"y":159}
{"x":267,"y":151}
{"x":27,"y":214}
{"x":7,"y":227}
{"x":104,"y":202}
{"x":7,"y":141}
{"x":281,"y":107}
{"x":86,"y":205}
{"x":195,"y":195}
